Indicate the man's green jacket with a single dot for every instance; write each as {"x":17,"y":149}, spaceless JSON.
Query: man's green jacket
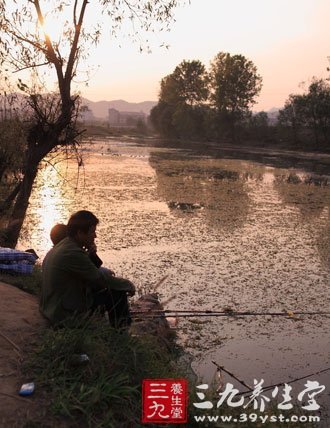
{"x":69,"y":279}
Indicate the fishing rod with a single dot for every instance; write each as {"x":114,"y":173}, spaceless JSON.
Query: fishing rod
{"x":231,"y":311}
{"x":185,"y":314}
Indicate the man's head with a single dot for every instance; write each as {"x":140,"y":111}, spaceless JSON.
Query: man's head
{"x":82,"y":227}
{"x":58,"y":232}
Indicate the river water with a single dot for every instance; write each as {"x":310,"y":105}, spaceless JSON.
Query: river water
{"x":245,"y":230}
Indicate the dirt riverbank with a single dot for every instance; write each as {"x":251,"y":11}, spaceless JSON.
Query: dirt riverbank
{"x":20,"y":324}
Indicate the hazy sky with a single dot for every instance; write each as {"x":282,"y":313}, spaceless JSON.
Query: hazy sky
{"x":288,"y":40}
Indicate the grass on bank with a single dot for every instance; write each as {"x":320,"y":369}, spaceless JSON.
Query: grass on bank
{"x":105,"y":392}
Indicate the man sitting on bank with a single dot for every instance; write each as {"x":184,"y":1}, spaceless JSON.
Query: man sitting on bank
{"x":72,"y":284}
{"x":60,"y":231}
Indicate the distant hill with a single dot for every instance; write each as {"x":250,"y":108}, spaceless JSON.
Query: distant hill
{"x":100,"y":108}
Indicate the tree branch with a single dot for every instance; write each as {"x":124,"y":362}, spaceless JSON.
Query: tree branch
{"x":74,"y":47}
{"x":51,"y":54}
{"x":32,"y":66}
{"x":75,"y":12}
{"x":24,"y":39}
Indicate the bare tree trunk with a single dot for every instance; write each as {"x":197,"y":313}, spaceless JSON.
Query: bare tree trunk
{"x":20,"y":206}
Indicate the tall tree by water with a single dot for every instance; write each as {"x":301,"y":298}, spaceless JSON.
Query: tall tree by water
{"x":235,"y":84}
{"x":188,"y":84}
{"x":182,"y":95}
{"x":26,"y":43}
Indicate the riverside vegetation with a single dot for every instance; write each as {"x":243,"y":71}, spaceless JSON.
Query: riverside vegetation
{"x":106,"y":392}
{"x":216,"y":105}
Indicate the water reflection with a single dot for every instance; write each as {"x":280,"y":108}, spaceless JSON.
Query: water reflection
{"x":310,"y":197}
{"x":303,"y":178}
{"x":315,"y":163}
{"x":204,"y":187}
{"x":48,"y":206}
{"x":223,"y":194}
{"x":218,"y":189}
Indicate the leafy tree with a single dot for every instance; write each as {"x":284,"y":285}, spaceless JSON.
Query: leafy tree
{"x":289,"y":116}
{"x":315,"y":109}
{"x":188,"y":84}
{"x":257,"y":126}
{"x":182,"y":94}
{"x":161,"y":116}
{"x":12,"y":140}
{"x":234,"y":85}
{"x":26,"y":44}
{"x":260,"y":119}
{"x":309,"y":111}
{"x":169,"y":91}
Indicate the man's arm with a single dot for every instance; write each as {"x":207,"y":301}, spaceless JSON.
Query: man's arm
{"x":91,"y":251}
{"x":116,"y":283}
{"x":79,"y":264}
{"x":95,"y":259}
